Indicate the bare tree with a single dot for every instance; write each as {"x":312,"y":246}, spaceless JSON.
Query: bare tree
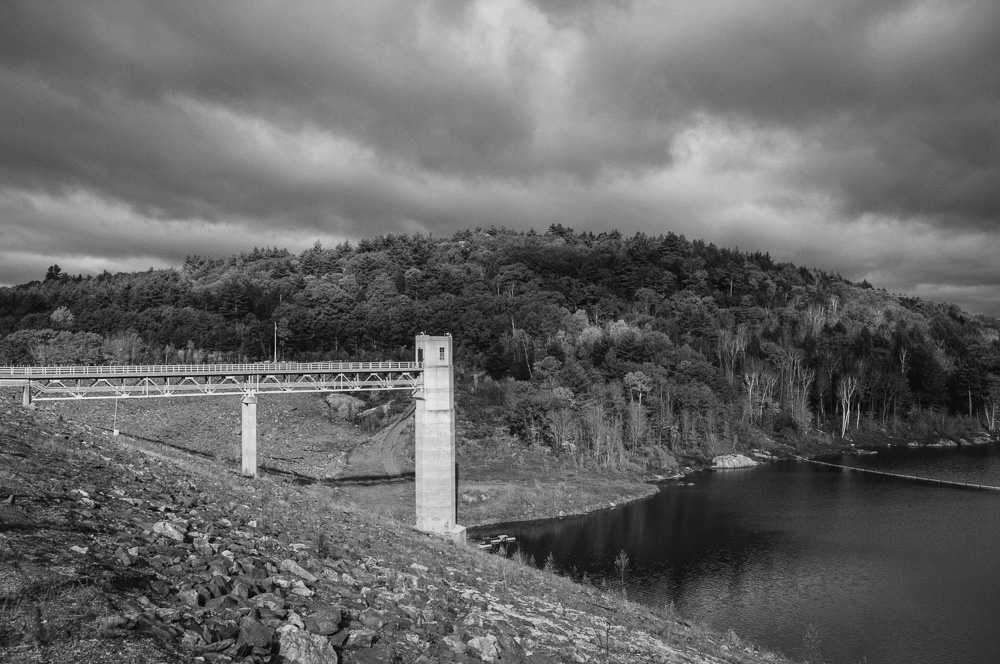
{"x":992,"y":402}
{"x":845,"y":392}
{"x":731,"y":347}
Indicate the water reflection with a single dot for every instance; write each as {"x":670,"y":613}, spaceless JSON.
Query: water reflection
{"x":888,"y":570}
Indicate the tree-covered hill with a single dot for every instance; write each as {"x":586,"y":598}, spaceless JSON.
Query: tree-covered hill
{"x":621,"y":349}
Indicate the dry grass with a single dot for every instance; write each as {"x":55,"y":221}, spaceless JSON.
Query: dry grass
{"x":53,"y":601}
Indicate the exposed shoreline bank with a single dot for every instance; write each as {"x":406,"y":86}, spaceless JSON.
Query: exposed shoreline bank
{"x":538,"y":487}
{"x":394,"y":592}
{"x":640,"y":485}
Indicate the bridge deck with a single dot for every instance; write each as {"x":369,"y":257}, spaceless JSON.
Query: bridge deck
{"x":110,"y":382}
{"x":256,"y":369}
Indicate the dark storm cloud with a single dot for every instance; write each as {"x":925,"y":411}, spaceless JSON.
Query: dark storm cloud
{"x":902,"y":98}
{"x":144,"y":131}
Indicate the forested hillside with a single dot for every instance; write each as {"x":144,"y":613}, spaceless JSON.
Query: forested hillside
{"x":620,"y":350}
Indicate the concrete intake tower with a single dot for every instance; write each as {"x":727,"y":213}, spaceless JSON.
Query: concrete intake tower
{"x":434,"y":431}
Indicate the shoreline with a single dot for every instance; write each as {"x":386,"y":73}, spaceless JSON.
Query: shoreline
{"x":820,"y":449}
{"x":583,"y":510}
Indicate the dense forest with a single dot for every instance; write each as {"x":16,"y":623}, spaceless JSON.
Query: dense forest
{"x":617,"y":350}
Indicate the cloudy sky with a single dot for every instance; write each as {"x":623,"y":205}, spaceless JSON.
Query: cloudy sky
{"x":858,"y":136}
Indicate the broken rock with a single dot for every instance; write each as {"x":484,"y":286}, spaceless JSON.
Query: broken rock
{"x":325,"y":621}
{"x":300,"y":647}
{"x":361,"y":638}
{"x":296,"y":569}
{"x":171,"y":530}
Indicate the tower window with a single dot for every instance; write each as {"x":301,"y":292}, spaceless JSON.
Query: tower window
{"x":441,"y":353}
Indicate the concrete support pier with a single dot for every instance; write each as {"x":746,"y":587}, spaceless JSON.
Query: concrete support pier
{"x":249,"y":435}
{"x":436,"y":480}
{"x":26,"y":395}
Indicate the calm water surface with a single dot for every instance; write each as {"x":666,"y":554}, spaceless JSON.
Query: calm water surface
{"x":881,"y":570}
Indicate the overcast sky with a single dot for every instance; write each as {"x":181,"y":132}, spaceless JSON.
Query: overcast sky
{"x":857,"y":136}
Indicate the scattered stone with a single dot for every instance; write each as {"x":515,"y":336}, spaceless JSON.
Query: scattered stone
{"x":123,"y":557}
{"x":509,"y":646}
{"x":377,"y":655}
{"x":299,"y":588}
{"x":254,"y":634}
{"x":361,"y":638}
{"x":270,"y":600}
{"x":295,"y":619}
{"x":371,"y":618}
{"x":339,"y":639}
{"x":294,"y":568}
{"x":218,"y":646}
{"x":456,"y":644}
{"x":170,"y":530}
{"x":189,"y":597}
{"x":487,"y":647}
{"x":112,"y":622}
{"x":325,"y":621}
{"x":299,"y":647}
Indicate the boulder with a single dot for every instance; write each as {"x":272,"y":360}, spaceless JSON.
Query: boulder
{"x":171,"y":530}
{"x":188,"y":597}
{"x":325,"y":621}
{"x":344,"y":406}
{"x":727,"y":461}
{"x":377,"y":411}
{"x":361,"y":638}
{"x":253,"y":636}
{"x":455,"y":644}
{"x":487,"y":647}
{"x":299,"y":647}
{"x":288,"y":565}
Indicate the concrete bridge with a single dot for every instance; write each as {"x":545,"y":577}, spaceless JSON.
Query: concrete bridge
{"x":430,"y":379}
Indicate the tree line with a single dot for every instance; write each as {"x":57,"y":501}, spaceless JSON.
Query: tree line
{"x":614,"y":349}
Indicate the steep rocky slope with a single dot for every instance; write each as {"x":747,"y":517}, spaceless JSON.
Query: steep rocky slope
{"x":114,"y":549}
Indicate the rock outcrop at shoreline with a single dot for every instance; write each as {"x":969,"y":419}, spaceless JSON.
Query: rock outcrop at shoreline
{"x":728,"y":461}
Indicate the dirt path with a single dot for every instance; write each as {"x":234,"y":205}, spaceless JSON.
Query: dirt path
{"x":384,"y":453}
{"x":391,"y":444}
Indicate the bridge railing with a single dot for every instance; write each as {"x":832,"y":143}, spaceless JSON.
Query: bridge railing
{"x":258,"y":368}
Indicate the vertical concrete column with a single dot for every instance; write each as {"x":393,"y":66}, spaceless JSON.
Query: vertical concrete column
{"x":26,"y":395}
{"x":250,"y":435}
{"x":434,"y":432}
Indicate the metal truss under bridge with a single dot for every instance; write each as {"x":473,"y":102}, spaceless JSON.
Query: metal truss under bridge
{"x":114,"y":382}
{"x":430,"y":380}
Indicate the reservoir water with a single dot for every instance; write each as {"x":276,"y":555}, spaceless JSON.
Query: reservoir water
{"x":879,"y":570}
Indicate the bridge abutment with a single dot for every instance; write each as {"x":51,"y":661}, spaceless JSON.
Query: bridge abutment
{"x":434,"y":433}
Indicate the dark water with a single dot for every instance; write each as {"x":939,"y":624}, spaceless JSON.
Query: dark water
{"x":880,"y":570}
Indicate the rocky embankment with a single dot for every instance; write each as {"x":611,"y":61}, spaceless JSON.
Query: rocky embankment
{"x":115,"y":550}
